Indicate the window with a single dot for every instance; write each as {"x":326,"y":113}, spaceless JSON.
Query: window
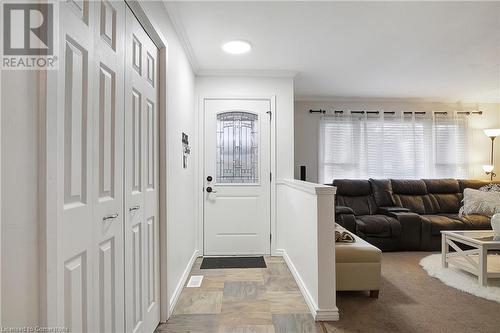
{"x":402,"y":145}
{"x":237,"y":148}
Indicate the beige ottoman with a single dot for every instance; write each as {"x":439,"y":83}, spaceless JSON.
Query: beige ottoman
{"x":358,"y":265}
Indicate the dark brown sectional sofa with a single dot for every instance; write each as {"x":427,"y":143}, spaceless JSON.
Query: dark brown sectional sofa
{"x":401,"y":215}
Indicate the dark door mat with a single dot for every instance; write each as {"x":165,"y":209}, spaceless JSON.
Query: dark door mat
{"x":233,"y":262}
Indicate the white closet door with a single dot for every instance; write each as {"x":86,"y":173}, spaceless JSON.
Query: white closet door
{"x":108,"y":163}
{"x":141,"y":180}
{"x":75,"y":100}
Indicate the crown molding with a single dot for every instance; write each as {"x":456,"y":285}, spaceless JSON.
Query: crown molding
{"x":443,"y":100}
{"x":174,"y":16}
{"x":248,"y":73}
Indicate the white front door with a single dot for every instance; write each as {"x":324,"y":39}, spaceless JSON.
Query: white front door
{"x":237,"y":206}
{"x":142,"y":307}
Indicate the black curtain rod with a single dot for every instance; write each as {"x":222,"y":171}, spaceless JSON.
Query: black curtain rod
{"x":470,"y":112}
{"x":363,"y":112}
{"x":394,"y":112}
{"x":418,"y":112}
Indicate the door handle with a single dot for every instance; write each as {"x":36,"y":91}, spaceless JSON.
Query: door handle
{"x":110,"y":217}
{"x":210,"y":190}
{"x":134,"y":208}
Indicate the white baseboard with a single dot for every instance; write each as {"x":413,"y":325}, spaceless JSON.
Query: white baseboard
{"x":181,"y":283}
{"x":278,"y":252}
{"x":327,"y":315}
{"x":318,"y":314}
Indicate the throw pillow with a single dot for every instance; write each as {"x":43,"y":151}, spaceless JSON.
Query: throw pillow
{"x":490,"y":187}
{"x":344,"y":237}
{"x":480,"y":203}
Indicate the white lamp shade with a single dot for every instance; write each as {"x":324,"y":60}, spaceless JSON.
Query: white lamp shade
{"x":492,"y":132}
{"x":488,"y":168}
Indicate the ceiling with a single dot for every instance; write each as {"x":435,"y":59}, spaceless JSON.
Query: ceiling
{"x":353,"y":49}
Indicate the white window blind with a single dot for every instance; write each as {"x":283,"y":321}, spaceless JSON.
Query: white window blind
{"x":399,"y":145}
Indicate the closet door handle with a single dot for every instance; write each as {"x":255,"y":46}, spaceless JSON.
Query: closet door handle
{"x":134,"y":208}
{"x":110,"y":217}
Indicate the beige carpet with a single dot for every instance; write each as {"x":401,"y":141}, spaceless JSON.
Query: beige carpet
{"x":412,"y":301}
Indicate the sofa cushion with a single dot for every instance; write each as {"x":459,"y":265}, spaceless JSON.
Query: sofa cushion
{"x":446,"y":203}
{"x":352,"y":187}
{"x":479,"y":222}
{"x":382,"y":192}
{"x":378,"y":226}
{"x":442,"y":222}
{"x":408,"y":186}
{"x":412,"y":194}
{"x":444,"y":194}
{"x":420,"y":204}
{"x":442,"y":186}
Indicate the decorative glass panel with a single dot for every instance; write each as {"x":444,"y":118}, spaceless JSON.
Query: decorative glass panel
{"x":237,"y":148}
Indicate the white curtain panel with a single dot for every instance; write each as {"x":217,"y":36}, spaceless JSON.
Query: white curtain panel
{"x":402,"y":145}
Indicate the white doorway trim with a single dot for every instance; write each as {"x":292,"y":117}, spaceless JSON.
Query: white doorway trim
{"x":49,"y":217}
{"x":201,"y":159}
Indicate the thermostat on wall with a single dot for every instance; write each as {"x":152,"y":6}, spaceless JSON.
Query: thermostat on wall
{"x":186,"y":150}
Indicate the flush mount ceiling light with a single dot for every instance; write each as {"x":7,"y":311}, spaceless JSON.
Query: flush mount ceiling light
{"x":236,"y":47}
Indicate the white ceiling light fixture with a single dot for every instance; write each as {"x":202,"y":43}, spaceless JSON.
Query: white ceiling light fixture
{"x":236,"y":47}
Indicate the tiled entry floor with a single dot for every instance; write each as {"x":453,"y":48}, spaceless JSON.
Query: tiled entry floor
{"x":242,"y":300}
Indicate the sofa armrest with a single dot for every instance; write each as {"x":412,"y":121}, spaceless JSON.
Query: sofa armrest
{"x":348,"y":221}
{"x":343,"y":210}
{"x":391,"y":210}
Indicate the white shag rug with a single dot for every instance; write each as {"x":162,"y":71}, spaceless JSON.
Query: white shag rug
{"x":459,"y":279}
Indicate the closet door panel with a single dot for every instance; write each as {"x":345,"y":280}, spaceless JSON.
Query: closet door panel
{"x":73,"y":93}
{"x":141,"y":178}
{"x":108,"y":106}
{"x":107,"y":170}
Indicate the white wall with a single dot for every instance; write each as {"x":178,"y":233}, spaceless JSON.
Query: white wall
{"x":19,"y":223}
{"x":307,"y":126}
{"x":305,"y":219}
{"x":240,"y":87}
{"x":181,"y":212}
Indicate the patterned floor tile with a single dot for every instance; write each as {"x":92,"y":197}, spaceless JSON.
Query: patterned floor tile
{"x":284,"y":302}
{"x":243,"y":291}
{"x":195,"y":301}
{"x":190,"y":323}
{"x":255,"y":300}
{"x":247,"y":329}
{"x":296,"y":323}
